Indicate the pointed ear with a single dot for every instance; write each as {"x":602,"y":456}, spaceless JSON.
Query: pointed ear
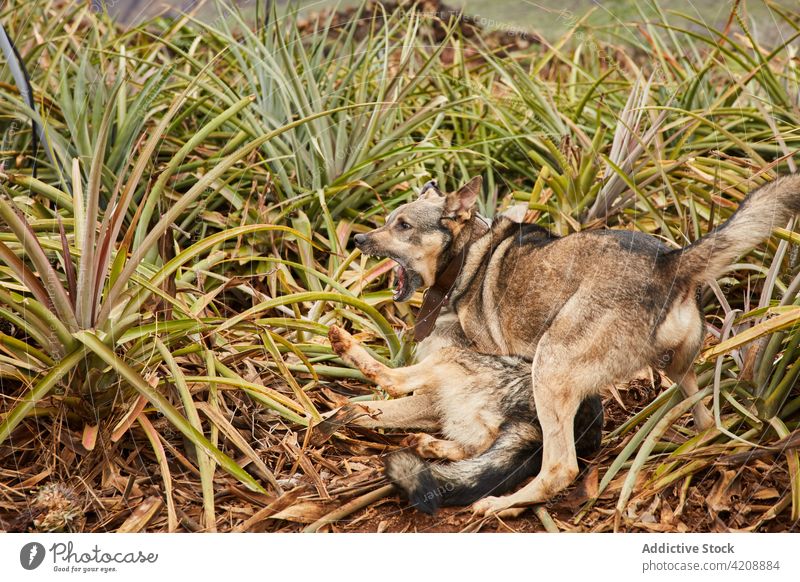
{"x":430,"y":190}
{"x":516,"y":213}
{"x":458,"y":205}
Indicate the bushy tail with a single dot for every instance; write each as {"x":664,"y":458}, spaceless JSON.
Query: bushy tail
{"x":515,"y":456}
{"x":770,"y":206}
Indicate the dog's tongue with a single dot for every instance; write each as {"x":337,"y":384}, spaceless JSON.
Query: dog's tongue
{"x":400,"y":281}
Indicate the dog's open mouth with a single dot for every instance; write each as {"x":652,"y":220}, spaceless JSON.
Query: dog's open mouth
{"x":406,"y":282}
{"x":400,"y":282}
{"x":406,"y":279}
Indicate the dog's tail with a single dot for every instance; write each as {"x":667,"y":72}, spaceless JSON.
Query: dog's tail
{"x":762,"y":210}
{"x":515,"y":456}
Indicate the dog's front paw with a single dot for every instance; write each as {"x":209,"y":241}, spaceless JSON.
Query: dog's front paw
{"x":484,"y":507}
{"x":425,"y":445}
{"x":341,"y":341}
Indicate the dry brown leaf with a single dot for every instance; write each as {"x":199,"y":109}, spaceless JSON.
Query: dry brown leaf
{"x":667,"y":515}
{"x":649,"y":515}
{"x":303,"y":512}
{"x":766,"y":493}
{"x":586,"y":489}
{"x":140,"y":516}
{"x":719,"y":499}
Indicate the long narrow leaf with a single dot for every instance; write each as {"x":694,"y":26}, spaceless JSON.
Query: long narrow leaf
{"x":40,"y":390}
{"x":162,"y":404}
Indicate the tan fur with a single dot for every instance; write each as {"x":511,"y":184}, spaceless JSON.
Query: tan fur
{"x":412,"y":412}
{"x":482,"y":406}
{"x":429,"y":447}
{"x":468,"y":418}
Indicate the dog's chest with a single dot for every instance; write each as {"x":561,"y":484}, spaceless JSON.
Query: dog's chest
{"x":446,"y":333}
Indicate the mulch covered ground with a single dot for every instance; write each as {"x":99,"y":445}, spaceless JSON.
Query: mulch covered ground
{"x":722,"y":500}
{"x":56,"y":485}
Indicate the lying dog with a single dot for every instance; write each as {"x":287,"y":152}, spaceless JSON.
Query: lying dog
{"x":482,"y":406}
{"x":588,"y":310}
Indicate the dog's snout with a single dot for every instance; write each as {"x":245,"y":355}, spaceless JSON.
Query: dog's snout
{"x":360,"y":239}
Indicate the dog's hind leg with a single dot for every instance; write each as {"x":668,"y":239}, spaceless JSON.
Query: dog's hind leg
{"x":572,"y":361}
{"x":412,"y":412}
{"x":682,"y":333}
{"x":559,"y":385}
{"x":678,"y":364}
{"x":687,"y":380}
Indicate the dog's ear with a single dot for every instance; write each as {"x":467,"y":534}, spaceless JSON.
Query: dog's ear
{"x":458,"y":205}
{"x":430,"y":190}
{"x":515,"y":213}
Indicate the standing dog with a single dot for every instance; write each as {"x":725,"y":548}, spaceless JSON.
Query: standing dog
{"x":589,"y":309}
{"x":480,"y":403}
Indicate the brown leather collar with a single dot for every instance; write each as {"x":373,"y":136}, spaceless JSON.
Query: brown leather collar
{"x":438,"y":295}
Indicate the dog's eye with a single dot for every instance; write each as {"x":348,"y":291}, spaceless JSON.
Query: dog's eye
{"x":403,"y":225}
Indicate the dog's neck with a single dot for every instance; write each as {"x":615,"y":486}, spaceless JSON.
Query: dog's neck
{"x":437,"y":294}
{"x":475,"y":228}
